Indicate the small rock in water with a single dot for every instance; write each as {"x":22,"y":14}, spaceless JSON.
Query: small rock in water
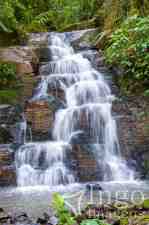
{"x":42,"y":221}
{"x":94,"y":187}
{"x":21,"y":219}
{"x":4,"y":218}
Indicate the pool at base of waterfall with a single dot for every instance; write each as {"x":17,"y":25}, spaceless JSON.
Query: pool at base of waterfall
{"x":36,"y":200}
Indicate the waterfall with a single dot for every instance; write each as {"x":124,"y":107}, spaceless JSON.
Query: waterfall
{"x":42,"y":164}
{"x":89,"y":101}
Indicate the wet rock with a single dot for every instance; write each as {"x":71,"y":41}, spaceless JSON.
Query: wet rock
{"x":5,"y":219}
{"x":95,"y":57}
{"x":6,"y":155}
{"x":83,"y":36}
{"x":22,"y":219}
{"x":3,"y":216}
{"x":133,"y":132}
{"x":42,"y":221}
{"x":83,"y":46}
{"x":85,"y":165}
{"x":28,"y":84}
{"x":7,"y":169}
{"x":9,"y":116}
{"x":56,"y":90}
{"x":40,"y":114}
{"x":6,"y":112}
{"x":45,"y":54}
{"x":7,"y":176}
{"x":93,"y":187}
{"x":5,"y":135}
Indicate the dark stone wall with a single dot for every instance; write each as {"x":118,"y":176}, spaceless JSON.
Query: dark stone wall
{"x":133,"y":131}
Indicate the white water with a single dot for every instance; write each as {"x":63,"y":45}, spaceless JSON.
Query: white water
{"x":89,"y":101}
{"x":42,"y":164}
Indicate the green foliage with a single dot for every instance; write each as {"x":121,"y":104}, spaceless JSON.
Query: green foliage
{"x":129,"y":49}
{"x":36,"y":15}
{"x":146,"y":204}
{"x":23,"y":16}
{"x":8,"y":84}
{"x":7,"y":75}
{"x":64,"y":216}
{"x":93,"y":222}
{"x":8,"y":96}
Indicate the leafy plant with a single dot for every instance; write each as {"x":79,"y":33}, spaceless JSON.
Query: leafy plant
{"x":129,"y":49}
{"x":64,"y":216}
{"x":7,"y":75}
{"x":23,"y":16}
{"x":9,"y":84}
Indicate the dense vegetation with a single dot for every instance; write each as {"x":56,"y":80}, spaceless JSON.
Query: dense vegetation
{"x":35,"y":15}
{"x":122,"y":23}
{"x":8,"y":83}
{"x":128,"y":48}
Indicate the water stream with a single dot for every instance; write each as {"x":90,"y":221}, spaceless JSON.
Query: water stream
{"x":88,"y":106}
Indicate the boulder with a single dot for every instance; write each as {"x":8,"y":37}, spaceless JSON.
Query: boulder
{"x":83,"y":39}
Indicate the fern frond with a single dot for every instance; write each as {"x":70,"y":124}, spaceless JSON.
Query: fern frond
{"x":4,"y":28}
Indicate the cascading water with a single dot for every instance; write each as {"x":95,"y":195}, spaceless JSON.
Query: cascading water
{"x":89,"y":101}
{"x":42,"y":164}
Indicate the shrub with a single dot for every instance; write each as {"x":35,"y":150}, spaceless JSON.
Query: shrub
{"x":129,"y":49}
{"x":7,"y":75}
{"x":62,"y":212}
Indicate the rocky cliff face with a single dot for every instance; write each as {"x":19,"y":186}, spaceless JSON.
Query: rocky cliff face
{"x":133,"y":130}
